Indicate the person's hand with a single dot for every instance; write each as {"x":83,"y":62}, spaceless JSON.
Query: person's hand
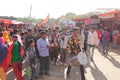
{"x":48,"y":46}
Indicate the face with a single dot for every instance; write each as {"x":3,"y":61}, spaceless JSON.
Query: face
{"x":65,"y":30}
{"x":76,"y":32}
{"x":14,"y":39}
{"x":63,"y":35}
{"x":32,"y":44}
{"x":72,"y":33}
{"x":54,"y":32}
{"x":44,"y":36}
{"x":30,"y":33}
{"x":92,"y":30}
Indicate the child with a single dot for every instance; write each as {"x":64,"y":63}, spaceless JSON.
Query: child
{"x":30,"y":58}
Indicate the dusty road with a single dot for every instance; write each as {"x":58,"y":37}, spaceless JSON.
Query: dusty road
{"x":105,"y":67}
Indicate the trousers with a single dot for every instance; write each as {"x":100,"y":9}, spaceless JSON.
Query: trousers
{"x":17,"y":68}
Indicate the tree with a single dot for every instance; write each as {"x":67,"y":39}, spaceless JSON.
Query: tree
{"x":27,"y":19}
{"x":70,"y":15}
{"x":89,"y":14}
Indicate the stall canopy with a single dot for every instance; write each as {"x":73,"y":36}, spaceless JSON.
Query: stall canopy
{"x":79,"y":19}
{"x":110,"y":14}
{"x":8,"y":22}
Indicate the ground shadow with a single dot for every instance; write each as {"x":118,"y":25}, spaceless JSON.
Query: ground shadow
{"x":113,"y":61}
{"x":97,"y":74}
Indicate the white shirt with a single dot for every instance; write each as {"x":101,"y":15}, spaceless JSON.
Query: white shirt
{"x":63,"y":44}
{"x":92,"y":38}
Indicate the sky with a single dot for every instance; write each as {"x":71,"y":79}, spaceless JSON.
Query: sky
{"x":55,"y":8}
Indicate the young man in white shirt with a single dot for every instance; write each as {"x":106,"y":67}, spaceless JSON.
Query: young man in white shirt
{"x":92,"y":41}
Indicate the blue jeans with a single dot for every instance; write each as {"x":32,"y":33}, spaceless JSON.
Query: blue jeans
{"x":105,"y":47}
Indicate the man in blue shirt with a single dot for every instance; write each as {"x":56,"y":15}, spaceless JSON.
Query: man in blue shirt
{"x":43,"y":48}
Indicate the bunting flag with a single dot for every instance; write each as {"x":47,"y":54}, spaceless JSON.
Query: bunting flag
{"x":87,"y":21}
{"x":60,"y":18}
{"x":43,"y":23}
{"x":53,"y":23}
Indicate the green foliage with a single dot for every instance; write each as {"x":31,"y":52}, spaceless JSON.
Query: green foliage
{"x":70,"y":15}
{"x":27,"y":19}
{"x":73,"y":15}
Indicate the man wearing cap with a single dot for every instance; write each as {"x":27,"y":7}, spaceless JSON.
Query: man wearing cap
{"x":73,"y":46}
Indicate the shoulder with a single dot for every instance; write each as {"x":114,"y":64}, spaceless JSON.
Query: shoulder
{"x":16,"y":43}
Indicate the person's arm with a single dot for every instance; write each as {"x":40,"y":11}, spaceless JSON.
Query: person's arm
{"x":38,"y":45}
{"x":3,"y":54}
{"x":27,"y":57}
{"x":88,"y":37}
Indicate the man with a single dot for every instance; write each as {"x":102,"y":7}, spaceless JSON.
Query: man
{"x":30,"y":36}
{"x":73,"y":46}
{"x":63,"y":46}
{"x":54,"y":47}
{"x":105,"y":40}
{"x":3,"y":53}
{"x":92,"y":41}
{"x":43,"y":48}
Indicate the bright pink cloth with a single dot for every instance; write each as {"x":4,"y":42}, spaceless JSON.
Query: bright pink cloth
{"x":2,"y":40}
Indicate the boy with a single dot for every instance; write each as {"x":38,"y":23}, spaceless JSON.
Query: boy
{"x":30,"y":57}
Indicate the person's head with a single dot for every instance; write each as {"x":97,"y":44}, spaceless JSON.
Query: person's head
{"x":72,"y":32}
{"x":4,"y":29}
{"x":25,"y":34}
{"x":64,"y":29}
{"x":62,"y":34}
{"x":49,"y":30}
{"x":106,"y":29}
{"x":92,"y":29}
{"x":31,"y":43}
{"x":76,"y":30}
{"x":22,"y":34}
{"x":16,"y":31}
{"x":43,"y":34}
{"x":14,"y":38}
{"x":29,"y":31}
{"x":1,"y":34}
{"x":54,"y":32}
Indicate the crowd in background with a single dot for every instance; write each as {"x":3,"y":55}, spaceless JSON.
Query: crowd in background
{"x":50,"y":46}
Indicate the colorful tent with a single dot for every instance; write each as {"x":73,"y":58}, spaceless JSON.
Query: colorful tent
{"x":110,"y":14}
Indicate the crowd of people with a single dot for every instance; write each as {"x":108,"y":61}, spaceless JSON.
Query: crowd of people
{"x":50,"y":46}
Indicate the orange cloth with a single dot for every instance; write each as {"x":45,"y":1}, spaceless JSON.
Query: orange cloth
{"x":2,"y":74}
{"x":6,"y":36}
{"x":116,"y":34}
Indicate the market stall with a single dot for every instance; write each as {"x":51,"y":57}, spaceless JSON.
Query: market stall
{"x":112,"y":21}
